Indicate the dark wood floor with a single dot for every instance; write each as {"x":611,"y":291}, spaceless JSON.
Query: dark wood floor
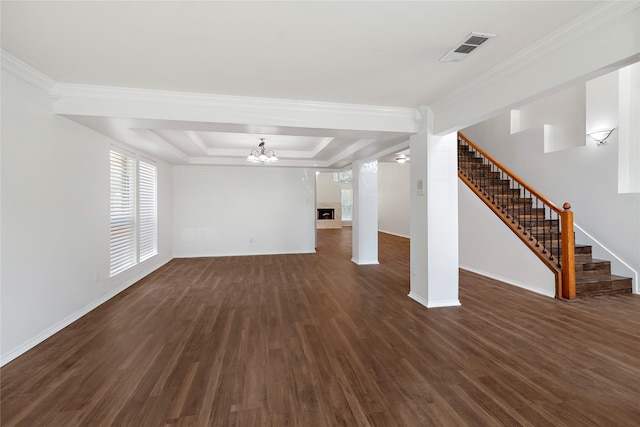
{"x":314,"y":340}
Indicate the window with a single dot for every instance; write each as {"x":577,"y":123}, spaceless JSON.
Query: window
{"x":347,"y":204}
{"x":147,"y":210}
{"x":343,"y":177}
{"x":123,"y":213}
{"x":133,"y":236}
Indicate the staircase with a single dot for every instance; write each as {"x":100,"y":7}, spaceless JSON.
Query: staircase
{"x":539,"y":224}
{"x":593,"y":276}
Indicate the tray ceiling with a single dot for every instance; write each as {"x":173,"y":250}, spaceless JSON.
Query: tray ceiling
{"x":351,"y":54}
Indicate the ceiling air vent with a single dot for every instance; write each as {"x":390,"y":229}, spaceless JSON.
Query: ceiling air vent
{"x":470,"y":43}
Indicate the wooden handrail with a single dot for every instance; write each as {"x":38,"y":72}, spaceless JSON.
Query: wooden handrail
{"x":564,"y":271}
{"x":512,"y":175}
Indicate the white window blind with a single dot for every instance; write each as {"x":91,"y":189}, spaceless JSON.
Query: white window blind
{"x":147,"y":212}
{"x":123,"y":213}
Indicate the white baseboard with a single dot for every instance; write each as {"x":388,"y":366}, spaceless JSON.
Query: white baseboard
{"x":6,"y":358}
{"x":394,"y":234}
{"x":417,"y":298}
{"x":433,"y":304}
{"x":217,"y":255}
{"x":510,"y":282}
{"x":365,"y":261}
{"x":444,"y":303}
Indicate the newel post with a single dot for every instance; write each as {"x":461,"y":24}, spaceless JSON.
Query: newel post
{"x":568,"y":255}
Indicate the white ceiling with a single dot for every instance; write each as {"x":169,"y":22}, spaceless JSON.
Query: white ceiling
{"x":364,"y":53}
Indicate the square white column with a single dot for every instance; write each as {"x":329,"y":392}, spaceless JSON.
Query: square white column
{"x":434,"y":217}
{"x":364,"y":245}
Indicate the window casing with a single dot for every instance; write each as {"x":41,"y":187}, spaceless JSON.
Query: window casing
{"x":133,"y":212}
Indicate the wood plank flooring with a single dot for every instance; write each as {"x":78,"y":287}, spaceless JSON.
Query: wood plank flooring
{"x":315,"y":340}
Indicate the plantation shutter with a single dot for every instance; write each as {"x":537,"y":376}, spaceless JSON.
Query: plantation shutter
{"x":147,"y":210}
{"x":123,"y":213}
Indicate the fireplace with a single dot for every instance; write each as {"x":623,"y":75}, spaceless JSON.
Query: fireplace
{"x":326,"y":214}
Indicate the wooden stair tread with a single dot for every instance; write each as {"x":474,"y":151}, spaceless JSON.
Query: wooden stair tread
{"x":592,"y":261}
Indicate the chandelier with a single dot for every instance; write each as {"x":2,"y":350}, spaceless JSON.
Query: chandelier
{"x":262,"y":155}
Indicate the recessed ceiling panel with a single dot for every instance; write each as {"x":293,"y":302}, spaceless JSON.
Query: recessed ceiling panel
{"x":223,"y":140}
{"x":227,"y":144}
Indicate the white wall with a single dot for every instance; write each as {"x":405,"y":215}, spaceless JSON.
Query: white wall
{"x":488,"y":247}
{"x":329,"y":196}
{"x":55,"y":220}
{"x":328,"y":191}
{"x":629,"y":129}
{"x":562,"y":123}
{"x":243,"y":210}
{"x":394,"y":182}
{"x":585,"y":176}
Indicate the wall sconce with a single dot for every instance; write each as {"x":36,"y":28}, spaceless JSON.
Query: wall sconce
{"x":601,"y":135}
{"x":402,"y":159}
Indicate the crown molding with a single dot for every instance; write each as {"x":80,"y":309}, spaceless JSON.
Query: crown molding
{"x":402,"y":118}
{"x":123,"y":93}
{"x":25,"y":71}
{"x":577,"y":28}
{"x":235,"y":152}
{"x":228,"y":161}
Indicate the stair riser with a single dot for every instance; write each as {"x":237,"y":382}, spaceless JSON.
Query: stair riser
{"x":501,"y":192}
{"x":546,"y":237}
{"x":511,"y":198}
{"x":546,"y":224}
{"x":521,"y":203}
{"x":526,"y":217}
{"x":482,"y":172}
{"x":604,"y":287}
{"x":525,"y":213}
{"x":493,"y":183}
{"x":593,"y":268}
{"x":543,"y":231}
